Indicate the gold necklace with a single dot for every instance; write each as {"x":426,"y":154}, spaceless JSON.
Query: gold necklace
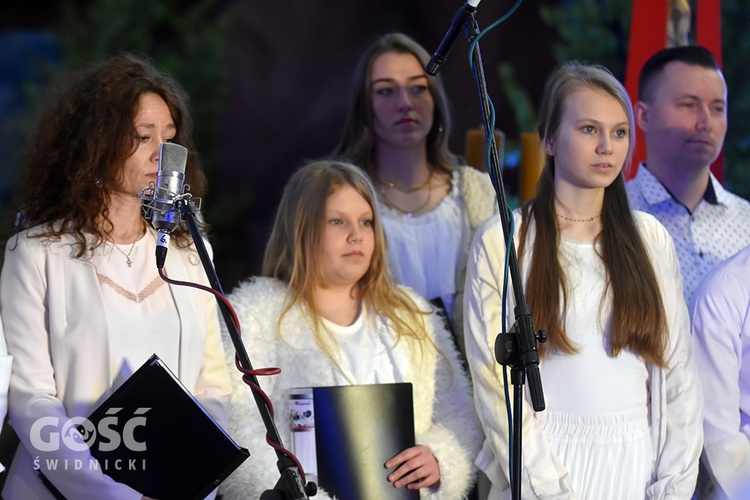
{"x":579,"y":220}
{"x":407,"y":189}
{"x":408,"y":213}
{"x":127,"y":255}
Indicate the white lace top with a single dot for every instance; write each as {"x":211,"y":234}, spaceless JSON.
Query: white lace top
{"x":140,"y":309}
{"x":425,"y":251}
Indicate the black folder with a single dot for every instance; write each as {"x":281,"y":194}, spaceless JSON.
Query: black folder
{"x":187,"y":454}
{"x":358,"y":428}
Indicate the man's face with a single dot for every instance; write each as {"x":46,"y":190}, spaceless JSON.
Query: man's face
{"x":683,"y":116}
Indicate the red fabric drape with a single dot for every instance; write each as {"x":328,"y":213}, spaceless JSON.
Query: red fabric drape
{"x":708,"y":34}
{"x":648,"y":35}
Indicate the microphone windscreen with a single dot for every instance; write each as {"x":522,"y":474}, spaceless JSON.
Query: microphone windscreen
{"x":172,"y":157}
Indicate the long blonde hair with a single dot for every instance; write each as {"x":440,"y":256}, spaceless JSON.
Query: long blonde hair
{"x":638,"y":318}
{"x":294,"y":250}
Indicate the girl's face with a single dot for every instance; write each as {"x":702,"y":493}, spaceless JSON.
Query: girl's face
{"x":154,"y":125}
{"x":349,"y":240}
{"x":591,"y":144}
{"x":402,"y":106}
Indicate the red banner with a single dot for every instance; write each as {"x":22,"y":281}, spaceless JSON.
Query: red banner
{"x":708,"y":34}
{"x":648,"y":35}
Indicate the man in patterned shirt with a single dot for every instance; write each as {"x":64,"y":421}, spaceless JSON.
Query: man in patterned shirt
{"x":682,"y":113}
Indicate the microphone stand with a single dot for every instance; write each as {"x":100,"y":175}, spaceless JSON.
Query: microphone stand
{"x":289,"y":485}
{"x":517,"y":348}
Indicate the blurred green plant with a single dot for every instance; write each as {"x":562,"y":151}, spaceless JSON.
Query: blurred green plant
{"x":524,"y":111}
{"x":735,"y":18}
{"x":188,"y":40}
{"x":591,"y":30}
{"x":524,"y":114}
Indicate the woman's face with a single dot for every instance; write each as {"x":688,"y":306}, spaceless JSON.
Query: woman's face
{"x":402,"y":106}
{"x":591,"y":144}
{"x":349,"y":240}
{"x":154,"y":125}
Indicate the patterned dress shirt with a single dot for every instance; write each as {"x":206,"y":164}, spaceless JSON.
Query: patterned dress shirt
{"x":717,"y":229}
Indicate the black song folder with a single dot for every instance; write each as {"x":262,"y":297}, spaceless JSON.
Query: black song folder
{"x":168,"y":446}
{"x":357,"y":429}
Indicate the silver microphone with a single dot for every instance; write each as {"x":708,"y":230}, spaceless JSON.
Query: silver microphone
{"x":159,"y":198}
{"x":170,"y":182}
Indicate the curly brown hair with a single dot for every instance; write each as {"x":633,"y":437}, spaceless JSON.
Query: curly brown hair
{"x":84,"y":135}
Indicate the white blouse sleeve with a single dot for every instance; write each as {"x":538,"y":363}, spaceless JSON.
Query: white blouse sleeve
{"x":721,"y":332}
{"x":33,"y":393}
{"x":543,"y":474}
{"x":6,"y":363}
{"x":676,"y":399}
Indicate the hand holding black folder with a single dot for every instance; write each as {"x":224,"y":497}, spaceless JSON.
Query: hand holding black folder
{"x":358,"y":428}
{"x":177,"y":450}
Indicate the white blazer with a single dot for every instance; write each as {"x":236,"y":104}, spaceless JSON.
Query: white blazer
{"x":56,"y":329}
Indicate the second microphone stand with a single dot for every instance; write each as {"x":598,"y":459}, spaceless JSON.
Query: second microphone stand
{"x":517,"y":348}
{"x":289,"y":485}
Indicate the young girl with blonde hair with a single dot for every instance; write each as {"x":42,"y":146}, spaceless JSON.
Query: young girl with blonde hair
{"x":328,"y":313}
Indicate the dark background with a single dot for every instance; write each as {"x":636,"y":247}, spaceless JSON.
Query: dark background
{"x":269,"y":81}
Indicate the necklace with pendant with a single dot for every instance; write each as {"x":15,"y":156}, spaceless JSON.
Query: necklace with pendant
{"x":127,"y":255}
{"x":408,"y":213}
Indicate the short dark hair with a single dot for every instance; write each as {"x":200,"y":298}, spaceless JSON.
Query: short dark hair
{"x":694,"y":55}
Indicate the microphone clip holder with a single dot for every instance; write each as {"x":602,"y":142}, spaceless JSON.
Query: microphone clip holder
{"x":151,"y":193}
{"x":508,"y":349}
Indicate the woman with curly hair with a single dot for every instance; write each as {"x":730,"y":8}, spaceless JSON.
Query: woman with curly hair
{"x":82,"y":303}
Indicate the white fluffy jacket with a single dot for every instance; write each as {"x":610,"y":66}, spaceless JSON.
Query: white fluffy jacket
{"x":444,"y":415}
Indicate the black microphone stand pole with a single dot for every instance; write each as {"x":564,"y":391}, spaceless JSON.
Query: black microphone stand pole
{"x":289,"y":486}
{"x":517,"y":348}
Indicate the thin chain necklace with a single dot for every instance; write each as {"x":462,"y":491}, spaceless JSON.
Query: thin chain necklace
{"x":408,"y":189}
{"x":127,"y":255}
{"x":409,"y":213}
{"x":579,"y":220}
